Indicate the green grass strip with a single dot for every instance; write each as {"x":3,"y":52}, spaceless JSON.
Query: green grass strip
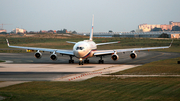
{"x":161,"y":67}
{"x":97,"y":89}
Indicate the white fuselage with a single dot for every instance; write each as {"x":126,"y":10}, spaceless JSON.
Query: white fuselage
{"x":84,"y":49}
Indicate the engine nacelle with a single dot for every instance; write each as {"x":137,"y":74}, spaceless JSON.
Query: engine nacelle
{"x":115,"y":57}
{"x":38,"y":55}
{"x":53,"y":57}
{"x":133,"y":55}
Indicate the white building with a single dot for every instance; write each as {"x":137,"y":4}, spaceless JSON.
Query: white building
{"x":18,"y":30}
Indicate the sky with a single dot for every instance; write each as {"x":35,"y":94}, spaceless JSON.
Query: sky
{"x":115,"y":15}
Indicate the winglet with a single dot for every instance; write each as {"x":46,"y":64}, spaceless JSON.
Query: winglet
{"x":7,"y":42}
{"x":91,"y":34}
{"x":171,"y":43}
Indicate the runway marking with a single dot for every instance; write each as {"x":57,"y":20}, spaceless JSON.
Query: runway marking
{"x":85,"y":74}
{"x":81,"y":75}
{"x":88,"y":75}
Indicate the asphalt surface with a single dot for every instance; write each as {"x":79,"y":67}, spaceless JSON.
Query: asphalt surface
{"x":45,"y":73}
{"x":143,"y":57}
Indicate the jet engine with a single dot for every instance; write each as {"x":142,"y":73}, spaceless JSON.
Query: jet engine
{"x":115,"y":57}
{"x":38,"y":55}
{"x":53,"y":57}
{"x":133,"y":55}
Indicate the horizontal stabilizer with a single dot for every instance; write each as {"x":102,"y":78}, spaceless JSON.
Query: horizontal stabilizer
{"x":71,"y":42}
{"x":107,"y":43}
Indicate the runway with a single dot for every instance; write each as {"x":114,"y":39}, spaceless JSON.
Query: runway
{"x":143,"y":57}
{"x":25,"y":67}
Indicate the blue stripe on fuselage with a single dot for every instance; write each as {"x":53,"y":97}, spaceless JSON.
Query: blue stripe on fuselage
{"x":89,"y":53}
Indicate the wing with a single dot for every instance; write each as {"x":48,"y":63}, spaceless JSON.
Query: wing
{"x":107,"y":52}
{"x":61,"y":51}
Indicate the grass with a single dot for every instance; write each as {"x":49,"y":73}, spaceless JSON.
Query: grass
{"x":97,"y":89}
{"x":161,"y":67}
{"x":2,"y":61}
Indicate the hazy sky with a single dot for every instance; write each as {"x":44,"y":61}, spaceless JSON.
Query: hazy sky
{"x":116,"y":15}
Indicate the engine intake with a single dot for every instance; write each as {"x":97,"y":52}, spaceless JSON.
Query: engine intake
{"x":53,"y":57}
{"x":38,"y":55}
{"x":115,"y":57}
{"x":133,"y":55}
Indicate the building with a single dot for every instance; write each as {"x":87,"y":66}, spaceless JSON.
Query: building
{"x":148,"y":27}
{"x":166,"y":27}
{"x":18,"y":30}
{"x":174,"y":23}
{"x":2,"y":30}
{"x":176,"y":36}
{"x":155,"y":34}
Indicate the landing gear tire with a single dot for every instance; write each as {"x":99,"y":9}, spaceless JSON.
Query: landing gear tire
{"x":71,"y":61}
{"x":86,"y":61}
{"x":80,"y":62}
{"x":101,"y":61}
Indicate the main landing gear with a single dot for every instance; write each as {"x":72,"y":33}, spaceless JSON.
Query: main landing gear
{"x":101,"y":61}
{"x":71,"y":60}
{"x":86,"y":61}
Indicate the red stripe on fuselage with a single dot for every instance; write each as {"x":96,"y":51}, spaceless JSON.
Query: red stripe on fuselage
{"x":89,"y":53}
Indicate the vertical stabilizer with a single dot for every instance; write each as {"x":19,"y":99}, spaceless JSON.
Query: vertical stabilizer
{"x":91,"y":34}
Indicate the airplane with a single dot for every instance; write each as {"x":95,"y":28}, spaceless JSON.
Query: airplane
{"x":86,"y":49}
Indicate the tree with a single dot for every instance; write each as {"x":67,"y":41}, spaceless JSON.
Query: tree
{"x":64,"y":31}
{"x":110,"y":31}
{"x":3,"y":33}
{"x":175,"y":28}
{"x":164,"y":35}
{"x":156,"y":29}
{"x":74,"y":32}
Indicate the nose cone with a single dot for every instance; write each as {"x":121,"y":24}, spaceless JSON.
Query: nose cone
{"x":80,"y":49}
{"x":78,"y":53}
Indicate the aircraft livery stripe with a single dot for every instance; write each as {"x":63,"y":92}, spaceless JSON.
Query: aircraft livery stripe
{"x":88,"y":54}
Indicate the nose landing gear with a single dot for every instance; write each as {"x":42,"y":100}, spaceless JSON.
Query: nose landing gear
{"x":80,"y":61}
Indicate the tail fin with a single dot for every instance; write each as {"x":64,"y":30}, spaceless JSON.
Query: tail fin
{"x":91,"y":34}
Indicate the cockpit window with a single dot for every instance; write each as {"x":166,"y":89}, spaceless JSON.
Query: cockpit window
{"x":79,"y":48}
